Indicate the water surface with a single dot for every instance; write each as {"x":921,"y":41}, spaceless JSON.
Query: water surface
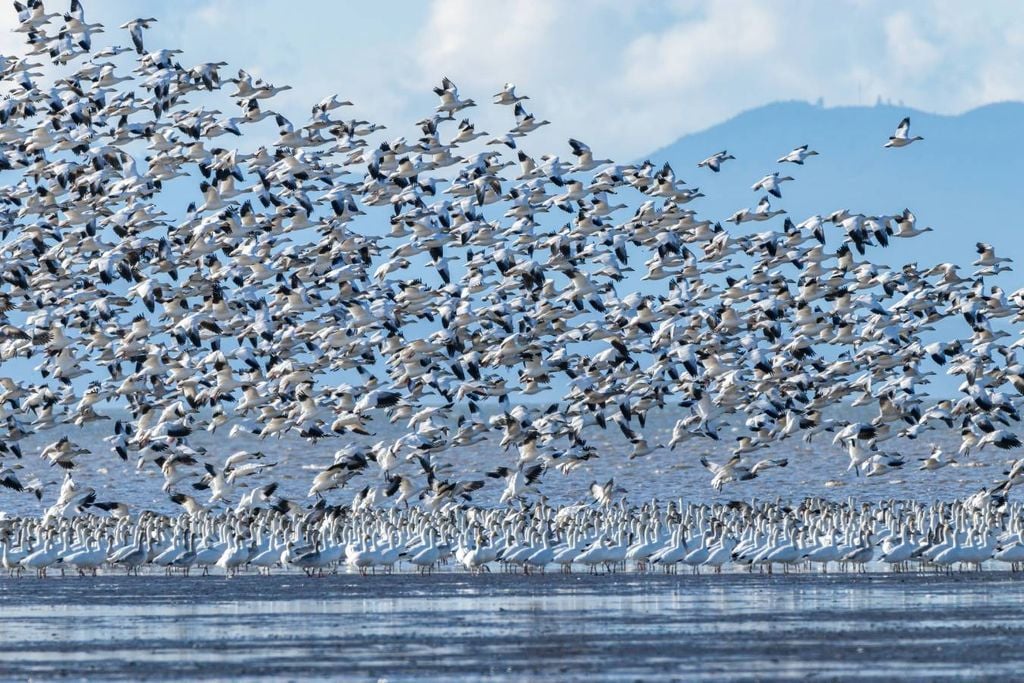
{"x":815,"y":469}
{"x":513,"y":628}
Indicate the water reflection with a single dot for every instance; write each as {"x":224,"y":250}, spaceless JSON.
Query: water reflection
{"x":505,"y":627}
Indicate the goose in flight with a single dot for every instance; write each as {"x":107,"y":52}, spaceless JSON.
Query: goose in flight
{"x":63,"y":453}
{"x":987,"y":256}
{"x":135,"y":28}
{"x":508,"y":95}
{"x":450,"y":102}
{"x":762,"y":212}
{"x":329,"y":103}
{"x":525,"y":121}
{"x":1000,"y":438}
{"x":602,"y":493}
{"x":901,"y":138}
{"x":906,"y":225}
{"x":798,"y":155}
{"x":936,"y":460}
{"x":9,"y":479}
{"x":496,"y":313}
{"x":735,"y":470}
{"x":771,"y":184}
{"x":517,"y":481}
{"x":585,"y":158}
{"x":715,"y":161}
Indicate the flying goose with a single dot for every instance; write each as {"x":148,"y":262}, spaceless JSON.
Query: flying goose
{"x":715,"y":161}
{"x":901,"y":138}
{"x":798,"y":155}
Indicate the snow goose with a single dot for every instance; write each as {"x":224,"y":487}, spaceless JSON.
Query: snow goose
{"x":897,"y":551}
{"x":861,"y":554}
{"x":135,"y":28}
{"x":427,"y":557}
{"x":827,"y":549}
{"x":540,"y":557}
{"x":901,"y":138}
{"x":43,"y":557}
{"x":234,"y":556}
{"x":762,"y":212}
{"x":450,"y":102}
{"x":721,"y":553}
{"x":1010,"y":553}
{"x":315,"y":561}
{"x":133,"y":557}
{"x":568,"y":554}
{"x":935,"y":459}
{"x":798,"y":155}
{"x":672,"y":553}
{"x":644,"y":549}
{"x":594,"y":555}
{"x":474,"y":556}
{"x":715,"y":161}
{"x":362,"y":557}
{"x":508,"y":95}
{"x":771,"y":184}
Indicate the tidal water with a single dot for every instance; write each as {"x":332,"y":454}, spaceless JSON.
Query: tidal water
{"x":514,"y":628}
{"x":815,"y":469}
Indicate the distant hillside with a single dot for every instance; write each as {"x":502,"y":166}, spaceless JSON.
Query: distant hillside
{"x":963,"y":179}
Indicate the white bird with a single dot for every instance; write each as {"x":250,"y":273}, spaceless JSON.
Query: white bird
{"x":901,"y":138}
{"x":798,"y":155}
{"x":715,"y":161}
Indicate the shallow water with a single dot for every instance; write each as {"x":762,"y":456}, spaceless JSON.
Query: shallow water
{"x":664,"y":474}
{"x":511,"y":628}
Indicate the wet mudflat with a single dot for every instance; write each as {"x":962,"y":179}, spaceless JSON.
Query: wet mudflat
{"x":508,"y":627}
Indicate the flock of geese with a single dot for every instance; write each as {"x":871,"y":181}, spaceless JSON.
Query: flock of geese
{"x":332,"y":278}
{"x":901,"y":535}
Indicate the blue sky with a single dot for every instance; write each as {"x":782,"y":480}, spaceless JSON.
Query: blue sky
{"x":628,"y":77}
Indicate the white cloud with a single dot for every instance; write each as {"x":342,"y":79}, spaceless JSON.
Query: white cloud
{"x":699,"y":50}
{"x":633,"y":83}
{"x":494,"y":36}
{"x":627,"y":77}
{"x":910,"y":51}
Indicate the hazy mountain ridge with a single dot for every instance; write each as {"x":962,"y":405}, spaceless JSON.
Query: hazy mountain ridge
{"x":960,"y":179}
